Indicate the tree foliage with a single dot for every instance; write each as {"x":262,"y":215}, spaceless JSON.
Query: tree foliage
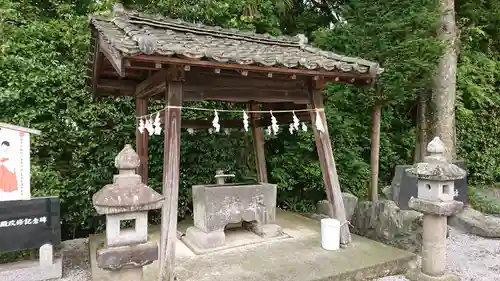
{"x":43,"y":56}
{"x":477,"y":84}
{"x":400,"y":36}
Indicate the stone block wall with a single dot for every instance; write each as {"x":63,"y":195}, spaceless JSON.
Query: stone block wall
{"x":382,"y":221}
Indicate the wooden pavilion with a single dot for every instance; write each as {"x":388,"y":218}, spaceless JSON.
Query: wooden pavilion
{"x":147,"y":56}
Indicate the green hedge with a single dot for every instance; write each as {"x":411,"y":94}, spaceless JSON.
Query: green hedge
{"x":42,"y":80}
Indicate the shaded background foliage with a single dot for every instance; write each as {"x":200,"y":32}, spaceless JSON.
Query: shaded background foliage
{"x":42,"y":67}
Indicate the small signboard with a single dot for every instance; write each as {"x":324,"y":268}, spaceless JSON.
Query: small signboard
{"x":28,"y":224}
{"x":15,"y":162}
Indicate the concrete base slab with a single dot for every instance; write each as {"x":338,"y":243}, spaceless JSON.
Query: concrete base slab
{"x":198,"y":242}
{"x":30,"y":271}
{"x":418,"y":275}
{"x":248,"y":233}
{"x":296,"y":258}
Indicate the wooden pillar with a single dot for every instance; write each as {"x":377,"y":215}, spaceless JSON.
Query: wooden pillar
{"x":327,"y":162}
{"x":141,"y":140}
{"x":171,"y":166}
{"x":258,"y":144}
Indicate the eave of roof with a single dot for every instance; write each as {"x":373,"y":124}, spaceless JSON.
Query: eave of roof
{"x":135,"y":34}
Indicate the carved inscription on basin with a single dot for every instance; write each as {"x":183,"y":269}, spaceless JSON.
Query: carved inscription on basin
{"x":215,"y":206}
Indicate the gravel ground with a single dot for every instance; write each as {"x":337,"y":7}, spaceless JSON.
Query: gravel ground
{"x":470,"y":257}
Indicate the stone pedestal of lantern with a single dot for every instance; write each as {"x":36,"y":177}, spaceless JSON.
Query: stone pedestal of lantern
{"x":435,"y":199}
{"x":126,"y":251}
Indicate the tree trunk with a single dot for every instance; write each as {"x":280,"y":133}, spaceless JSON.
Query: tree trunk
{"x":375,"y":149}
{"x":444,"y":94}
{"x":422,"y":128}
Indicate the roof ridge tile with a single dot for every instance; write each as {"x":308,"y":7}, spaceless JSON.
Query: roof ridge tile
{"x":133,"y":32}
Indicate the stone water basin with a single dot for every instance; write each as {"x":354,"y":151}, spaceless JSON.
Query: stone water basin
{"x":215,"y":206}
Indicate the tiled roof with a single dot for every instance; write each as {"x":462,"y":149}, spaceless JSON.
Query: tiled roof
{"x":135,"y":33}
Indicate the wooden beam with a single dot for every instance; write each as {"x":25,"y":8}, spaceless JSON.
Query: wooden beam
{"x":246,"y":95}
{"x":256,"y":68}
{"x":327,"y":162}
{"x":202,"y":78}
{"x":282,"y":118}
{"x":208,"y":82}
{"x":238,"y":90}
{"x":200,"y":82}
{"x":113,"y":56}
{"x":230,"y":73}
{"x":283,"y":78}
{"x":171,"y":169}
{"x":111,"y":74}
{"x":141,"y":140}
{"x":109,"y":87}
{"x":258,"y":144}
{"x":199,"y":124}
{"x":235,"y":94}
{"x":98,"y":59}
{"x":243,"y":96}
{"x":150,"y":85}
{"x":238,"y":123}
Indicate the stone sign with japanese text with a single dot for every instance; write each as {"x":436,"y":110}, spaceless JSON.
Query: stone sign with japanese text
{"x":25,"y":222}
{"x":28,"y":224}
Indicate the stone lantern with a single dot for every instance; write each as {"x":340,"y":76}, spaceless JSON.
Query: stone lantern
{"x":126,"y":251}
{"x":435,"y":199}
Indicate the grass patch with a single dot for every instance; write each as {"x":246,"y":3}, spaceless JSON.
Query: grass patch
{"x":15,"y":256}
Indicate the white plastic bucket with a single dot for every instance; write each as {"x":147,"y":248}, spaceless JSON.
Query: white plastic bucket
{"x":330,"y":234}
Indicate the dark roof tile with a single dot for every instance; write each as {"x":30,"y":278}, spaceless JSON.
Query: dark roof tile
{"x":135,"y":33}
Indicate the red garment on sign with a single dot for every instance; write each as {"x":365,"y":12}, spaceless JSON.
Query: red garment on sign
{"x":8,"y":179}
